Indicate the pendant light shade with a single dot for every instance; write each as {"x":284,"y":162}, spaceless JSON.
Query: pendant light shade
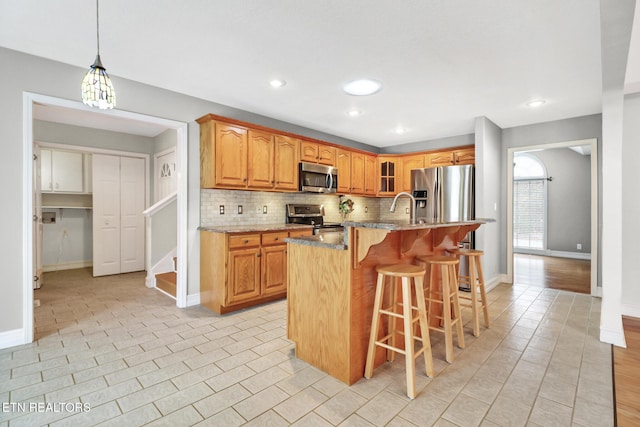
{"x":97,"y":89}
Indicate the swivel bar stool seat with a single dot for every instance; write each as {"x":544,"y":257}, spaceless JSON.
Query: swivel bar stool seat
{"x":446,"y":296}
{"x":408,"y":312}
{"x":475,"y":280}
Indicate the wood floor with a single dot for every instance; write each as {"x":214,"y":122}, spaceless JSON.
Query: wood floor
{"x":552,"y":272}
{"x":626,"y":366}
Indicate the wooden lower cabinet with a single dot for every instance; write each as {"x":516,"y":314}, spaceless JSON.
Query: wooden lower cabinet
{"x":238,"y":270}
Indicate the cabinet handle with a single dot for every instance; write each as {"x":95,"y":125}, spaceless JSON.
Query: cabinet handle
{"x":246,"y":241}
{"x":258,"y":255}
{"x":277,"y":238}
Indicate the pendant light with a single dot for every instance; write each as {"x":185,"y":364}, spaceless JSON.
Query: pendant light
{"x":97,"y":89}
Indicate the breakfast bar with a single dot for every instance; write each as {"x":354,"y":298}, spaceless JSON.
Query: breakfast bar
{"x":331,"y":286}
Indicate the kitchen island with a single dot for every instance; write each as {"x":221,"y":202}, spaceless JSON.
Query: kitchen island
{"x":331,"y":286}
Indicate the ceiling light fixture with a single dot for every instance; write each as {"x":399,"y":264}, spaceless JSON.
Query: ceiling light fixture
{"x":536,"y":103}
{"x":362,"y":87}
{"x":400,"y":130}
{"x":97,"y":89}
{"x":277,"y":83}
{"x":354,"y":113}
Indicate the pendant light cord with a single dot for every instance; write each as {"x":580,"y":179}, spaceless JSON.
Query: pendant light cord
{"x":98,"y":26}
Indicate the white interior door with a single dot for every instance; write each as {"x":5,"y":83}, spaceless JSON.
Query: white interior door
{"x":38,"y":280}
{"x":165,"y":174}
{"x":132,"y":203}
{"x":106,"y":214}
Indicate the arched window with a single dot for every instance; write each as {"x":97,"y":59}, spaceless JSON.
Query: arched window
{"x":529,"y":204}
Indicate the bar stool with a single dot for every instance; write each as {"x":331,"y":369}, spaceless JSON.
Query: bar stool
{"x":447,"y":296}
{"x":475,"y":281}
{"x":405,"y":272}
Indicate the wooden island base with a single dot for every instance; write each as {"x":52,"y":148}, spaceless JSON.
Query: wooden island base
{"x":331,"y":291}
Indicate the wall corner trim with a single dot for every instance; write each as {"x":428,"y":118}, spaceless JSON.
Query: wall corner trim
{"x":12,"y":338}
{"x":193,"y":299}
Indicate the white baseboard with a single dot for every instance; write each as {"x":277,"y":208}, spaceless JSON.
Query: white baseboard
{"x":631,"y":310}
{"x":193,"y":299}
{"x":66,"y":266}
{"x":613,"y":337}
{"x":12,"y":338}
{"x":557,"y":254}
{"x":492,"y":283}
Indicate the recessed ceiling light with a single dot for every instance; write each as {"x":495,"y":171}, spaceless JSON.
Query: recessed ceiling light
{"x":536,"y":103}
{"x":362,"y":87}
{"x":400,"y":130}
{"x":276,"y":83}
{"x":354,"y":113}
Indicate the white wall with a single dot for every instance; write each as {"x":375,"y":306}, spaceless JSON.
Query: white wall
{"x":67,"y":243}
{"x":631,"y":207}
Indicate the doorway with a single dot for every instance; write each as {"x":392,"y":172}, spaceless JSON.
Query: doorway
{"x":539,"y":253}
{"x":99,"y":118}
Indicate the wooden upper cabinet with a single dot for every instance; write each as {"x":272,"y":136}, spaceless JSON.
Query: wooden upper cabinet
{"x":260,"y":159}
{"x":286,"y":163}
{"x":388,"y":173}
{"x":408,"y":163}
{"x":313,"y":152}
{"x":326,"y":155}
{"x":444,"y":158}
{"x":343,"y":163}
{"x":357,"y":173}
{"x":466,"y":156}
{"x":230,"y":155}
{"x":462,"y":156}
{"x":370,"y":175}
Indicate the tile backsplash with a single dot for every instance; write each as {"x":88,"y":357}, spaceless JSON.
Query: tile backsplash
{"x":253,"y":203}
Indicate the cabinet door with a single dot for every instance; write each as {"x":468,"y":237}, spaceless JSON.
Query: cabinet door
{"x":286,"y":163}
{"x":260,"y":159}
{"x":274,"y":269}
{"x":67,"y":171}
{"x":408,"y":163}
{"x":388,"y":173}
{"x":327,"y":155}
{"x":244,"y":275}
{"x":357,"y":173}
{"x":370,"y":175}
{"x":444,"y":158}
{"x":466,"y":156}
{"x":308,"y":152}
{"x":231,"y":155}
{"x":343,"y":162}
{"x":46,"y":184}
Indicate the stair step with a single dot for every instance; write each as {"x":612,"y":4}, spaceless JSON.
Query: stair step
{"x":167,"y":282}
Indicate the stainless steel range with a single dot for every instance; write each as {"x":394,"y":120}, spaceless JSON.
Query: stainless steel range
{"x":311,"y":215}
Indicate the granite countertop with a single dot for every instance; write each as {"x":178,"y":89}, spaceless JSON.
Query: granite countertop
{"x":254,"y":228}
{"x":326,"y":240}
{"x":405,"y":225}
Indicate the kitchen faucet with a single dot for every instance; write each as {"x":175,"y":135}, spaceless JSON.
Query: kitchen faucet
{"x":413,"y":207}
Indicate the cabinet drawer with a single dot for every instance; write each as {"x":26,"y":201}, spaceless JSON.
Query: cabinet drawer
{"x":274,"y":238}
{"x":300,"y":233}
{"x":244,"y":241}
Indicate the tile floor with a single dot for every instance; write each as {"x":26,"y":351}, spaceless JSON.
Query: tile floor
{"x":112,"y":352}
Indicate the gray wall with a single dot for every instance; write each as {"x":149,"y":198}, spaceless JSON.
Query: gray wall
{"x":488,"y":197}
{"x":573,"y":129}
{"x":568,"y":199}
{"x":631,"y":205}
{"x":22,"y":72}
{"x":433,"y":144}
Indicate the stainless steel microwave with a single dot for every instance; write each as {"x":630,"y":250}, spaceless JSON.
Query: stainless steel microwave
{"x":318,"y":178}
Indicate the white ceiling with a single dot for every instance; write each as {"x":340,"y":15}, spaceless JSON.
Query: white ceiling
{"x":441,"y":63}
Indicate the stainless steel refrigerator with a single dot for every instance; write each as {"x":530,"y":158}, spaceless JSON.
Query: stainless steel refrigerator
{"x":446,"y":194}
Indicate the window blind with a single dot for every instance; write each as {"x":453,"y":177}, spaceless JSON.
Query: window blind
{"x":529,"y":214}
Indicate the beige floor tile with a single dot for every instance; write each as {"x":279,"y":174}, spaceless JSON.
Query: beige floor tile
{"x":466,"y":411}
{"x":229,"y":378}
{"x":138,"y":417}
{"x":182,"y":398}
{"x":261,"y":402}
{"x":382,"y":408}
{"x":227,"y":418}
{"x":145,"y":396}
{"x":298,"y":405}
{"x":222,"y":400}
{"x":341,"y":406}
